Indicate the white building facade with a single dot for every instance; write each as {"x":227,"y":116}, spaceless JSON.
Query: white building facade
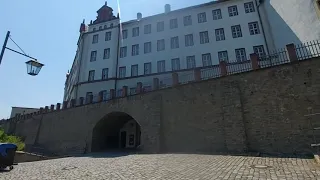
{"x":111,"y":54}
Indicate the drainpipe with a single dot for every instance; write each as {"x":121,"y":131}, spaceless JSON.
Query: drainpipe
{"x":262,"y":28}
{"x":117,"y":62}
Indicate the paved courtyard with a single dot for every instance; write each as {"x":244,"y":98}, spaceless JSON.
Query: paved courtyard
{"x":166,"y":167}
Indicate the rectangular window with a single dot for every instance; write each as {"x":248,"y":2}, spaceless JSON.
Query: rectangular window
{"x":175,"y":64}
{"x":259,"y":50}
{"x":161,"y":66}
{"x":175,"y":42}
{"x":160,"y":26}
{"x":95,"y":38}
{"x":241,"y":55}
{"x":105,"y":95}
{"x":249,"y":7}
{"x":206,"y":59}
{"x":91,"y":75}
{"x":108,"y":36}
{"x":134,"y":70}
{"x":122,"y":72}
{"x":223,"y":56}
{"x":233,"y":11}
{"x":147,"y":29}
{"x":161,"y":45}
{"x":93,"y":56}
{"x":187,"y":21}
{"x":123,"y":52}
{"x":191,"y":62}
{"x":133,"y":91}
{"x":124,"y":34}
{"x":106,"y":53}
{"x":147,"y":68}
{"x":236,"y":31}
{"x":147,"y":47}
{"x":173,"y":23}
{"x":216,"y":14}
{"x":189,"y":40}
{"x":105,"y":73}
{"x":135,"y":50}
{"x":202,"y":17}
{"x":254,"y":28}
{"x":135,"y":32}
{"x":204,"y":37}
{"x":220,"y":34}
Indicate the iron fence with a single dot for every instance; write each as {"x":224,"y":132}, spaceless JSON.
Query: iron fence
{"x":210,"y":72}
{"x":239,"y":67}
{"x":186,"y":78}
{"x":276,"y":57}
{"x":165,"y":83}
{"x":308,"y":50}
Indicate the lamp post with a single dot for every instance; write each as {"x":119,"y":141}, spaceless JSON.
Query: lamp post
{"x":33,"y":66}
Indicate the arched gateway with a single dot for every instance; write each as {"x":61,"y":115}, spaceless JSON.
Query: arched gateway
{"x":116,"y":131}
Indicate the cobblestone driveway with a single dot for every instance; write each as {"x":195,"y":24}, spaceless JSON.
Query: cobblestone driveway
{"x":165,"y":167}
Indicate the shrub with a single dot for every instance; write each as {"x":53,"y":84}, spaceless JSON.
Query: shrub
{"x":4,"y":138}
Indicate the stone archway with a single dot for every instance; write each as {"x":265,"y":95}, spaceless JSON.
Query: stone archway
{"x":116,"y":131}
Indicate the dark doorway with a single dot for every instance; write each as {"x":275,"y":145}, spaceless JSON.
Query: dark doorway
{"x":111,"y":133}
{"x":123,"y":139}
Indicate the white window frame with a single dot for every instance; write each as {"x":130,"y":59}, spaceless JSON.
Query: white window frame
{"x":191,"y":62}
{"x":93,"y":56}
{"x":135,"y":50}
{"x":233,"y":11}
{"x":216,"y":14}
{"x":160,"y":26}
{"x":104,"y":74}
{"x":161,"y":45}
{"x":202,"y":17}
{"x":123,"y":52}
{"x":122,"y":72}
{"x":220,"y":36}
{"x":254,"y":28}
{"x":147,"y":68}
{"x":189,"y":40}
{"x":187,"y":20}
{"x":236,"y":31}
{"x":124,"y":34}
{"x":135,"y":32}
{"x":175,"y":42}
{"x":206,"y":59}
{"x":108,"y":36}
{"x":241,"y":54}
{"x":95,"y":38}
{"x":147,"y":47}
{"x":259,"y":50}
{"x":91,"y":75}
{"x":161,"y":66}
{"x":106,"y":53}
{"x":223,"y":56}
{"x":204,"y":37}
{"x":175,"y":64}
{"x":147,"y":29}
{"x":134,"y":70}
{"x":249,"y":7}
{"x":173,"y":23}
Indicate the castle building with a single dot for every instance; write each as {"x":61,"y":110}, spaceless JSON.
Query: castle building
{"x":112,"y":54}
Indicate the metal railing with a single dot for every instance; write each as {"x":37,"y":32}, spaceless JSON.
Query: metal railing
{"x":308,"y":50}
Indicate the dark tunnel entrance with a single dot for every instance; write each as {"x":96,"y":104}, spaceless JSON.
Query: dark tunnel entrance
{"x":116,"y":131}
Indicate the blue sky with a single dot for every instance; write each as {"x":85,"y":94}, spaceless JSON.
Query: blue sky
{"x":48,"y":31}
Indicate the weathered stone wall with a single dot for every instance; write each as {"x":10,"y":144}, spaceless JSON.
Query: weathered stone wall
{"x":254,"y":111}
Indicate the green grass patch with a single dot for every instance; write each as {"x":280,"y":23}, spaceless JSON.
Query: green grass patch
{"x":4,"y":138}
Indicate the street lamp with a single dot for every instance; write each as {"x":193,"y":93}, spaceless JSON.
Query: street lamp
{"x":33,"y":66}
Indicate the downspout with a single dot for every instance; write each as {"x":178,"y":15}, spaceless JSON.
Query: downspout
{"x":262,"y":28}
{"x":117,"y":62}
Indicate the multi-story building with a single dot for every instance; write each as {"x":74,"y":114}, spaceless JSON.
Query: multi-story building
{"x":111,"y":54}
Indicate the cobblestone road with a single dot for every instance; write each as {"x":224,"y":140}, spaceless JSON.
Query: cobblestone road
{"x":166,"y":167}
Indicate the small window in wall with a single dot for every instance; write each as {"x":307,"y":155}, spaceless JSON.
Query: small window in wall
{"x":249,"y":7}
{"x":161,"y":45}
{"x":217,"y":14}
{"x":175,"y":64}
{"x":91,"y":75}
{"x":189,"y":40}
{"x":122,"y":72}
{"x":124,"y":34}
{"x":135,"y":50}
{"x":175,"y":42}
{"x":147,"y":29}
{"x":93,"y":56}
{"x":223,"y":56}
{"x":123,"y":52}
{"x":233,"y":11}
{"x":173,"y":23}
{"x":206,"y":59}
{"x":105,"y":95}
{"x":134,"y":70}
{"x":160,"y":26}
{"x":147,"y":68}
{"x":254,"y":28}
{"x":204,"y":37}
{"x":105,"y":72}
{"x":135,"y":32}
{"x":259,"y":50}
{"x":161,"y":66}
{"x":236,"y":31}
{"x":202,"y":17}
{"x":191,"y":62}
{"x":147,"y":47}
{"x":220,"y":34}
{"x":241,"y":55}
{"x":106,"y":53}
{"x":187,"y":21}
{"x":108,"y":36}
{"x":95,"y":38}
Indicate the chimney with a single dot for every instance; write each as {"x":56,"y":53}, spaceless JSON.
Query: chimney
{"x":139,"y":16}
{"x":82,"y":27}
{"x":167,"y":8}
